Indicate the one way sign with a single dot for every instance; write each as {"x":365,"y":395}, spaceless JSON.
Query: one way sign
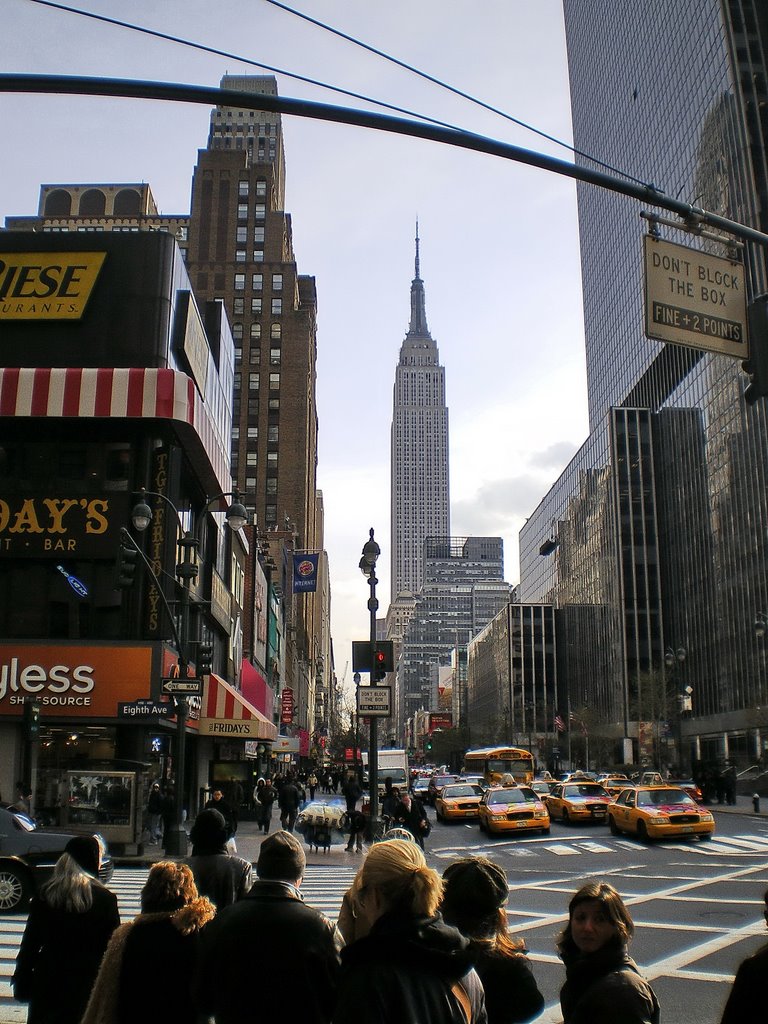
{"x":189,"y":687}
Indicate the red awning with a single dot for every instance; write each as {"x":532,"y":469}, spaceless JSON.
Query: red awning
{"x":227,"y":714}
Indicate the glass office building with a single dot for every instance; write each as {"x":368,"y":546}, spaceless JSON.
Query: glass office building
{"x":652,"y":543}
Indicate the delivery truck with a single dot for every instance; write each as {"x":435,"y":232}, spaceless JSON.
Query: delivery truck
{"x":393,"y":764}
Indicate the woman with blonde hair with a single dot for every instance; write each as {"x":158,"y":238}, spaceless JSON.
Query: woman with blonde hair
{"x":603,"y":984}
{"x":410,"y":966}
{"x":474,"y":900}
{"x":68,"y":928}
{"x":149,"y":965}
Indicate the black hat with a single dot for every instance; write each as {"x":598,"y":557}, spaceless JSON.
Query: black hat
{"x":281,"y":858}
{"x":209,"y":832}
{"x":86,"y":851}
{"x":475,"y":888}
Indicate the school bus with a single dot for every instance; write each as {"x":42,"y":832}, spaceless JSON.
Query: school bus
{"x":495,"y":762}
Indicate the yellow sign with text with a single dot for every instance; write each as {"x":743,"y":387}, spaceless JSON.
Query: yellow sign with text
{"x":47,"y":285}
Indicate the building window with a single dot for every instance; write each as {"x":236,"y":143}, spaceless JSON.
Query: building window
{"x":255,"y":331}
{"x":239,"y":282}
{"x":242,"y":236}
{"x":260,"y":211}
{"x":238,"y":355}
{"x":237,"y":381}
{"x":253,"y":433}
{"x":235,"y":433}
{"x":258,"y":255}
{"x":253,"y":408}
{"x":274,"y":405}
{"x":256,"y":305}
{"x":271,"y":460}
{"x":275,"y":332}
{"x":253,"y":382}
{"x":258,"y":234}
{"x":250,"y":483}
{"x":274,"y":382}
{"x":237,"y":332}
{"x":257,"y":282}
{"x":251,"y":458}
{"x":261,"y":186}
{"x":274,"y":357}
{"x":277,"y":282}
{"x":270,"y":513}
{"x":273,"y":431}
{"x":272,"y":485}
{"x":254,"y":356}
{"x":242,"y":211}
{"x":277,"y":307}
{"x":242,"y":189}
{"x":240,"y":255}
{"x":238,"y":306}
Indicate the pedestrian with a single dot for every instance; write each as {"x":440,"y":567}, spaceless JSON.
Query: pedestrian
{"x":147,"y":970}
{"x":67,"y":931}
{"x":312,"y":785}
{"x":155,"y":813}
{"x":351,"y":792}
{"x":410,"y":966}
{"x":218,"y":803}
{"x":474,"y":899}
{"x":266,"y":797}
{"x":389,"y":803}
{"x":603,"y":984}
{"x":222,"y":877}
{"x":746,"y":1001}
{"x":260,"y":783}
{"x":357,"y":825}
{"x":288,"y":800}
{"x":23,"y":800}
{"x":295,"y":947}
{"x":410,"y":814}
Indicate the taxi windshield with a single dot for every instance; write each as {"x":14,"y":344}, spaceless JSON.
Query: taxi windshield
{"x":583,"y":789}
{"x":512,"y":796}
{"x":451,"y":791}
{"x":654,"y":797}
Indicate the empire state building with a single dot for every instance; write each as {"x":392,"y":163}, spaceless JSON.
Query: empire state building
{"x":419,"y":462}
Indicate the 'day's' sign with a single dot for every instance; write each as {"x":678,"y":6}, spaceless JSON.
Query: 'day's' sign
{"x":35,"y":525}
{"x":694,"y":299}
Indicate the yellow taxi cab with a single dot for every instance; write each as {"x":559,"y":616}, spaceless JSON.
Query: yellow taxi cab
{"x":460,"y":800}
{"x":578,"y":801}
{"x":614,"y":784}
{"x":511,"y":809}
{"x":654,"y":812}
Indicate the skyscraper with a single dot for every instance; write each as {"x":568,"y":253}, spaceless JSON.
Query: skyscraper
{"x":652,"y":543}
{"x":419,"y":458}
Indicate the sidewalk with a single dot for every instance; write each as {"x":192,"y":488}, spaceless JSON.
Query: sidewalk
{"x":743,"y":805}
{"x":249,"y":841}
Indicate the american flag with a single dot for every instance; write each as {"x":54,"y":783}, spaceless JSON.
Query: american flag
{"x":582,"y":723}
{"x":559,"y":723}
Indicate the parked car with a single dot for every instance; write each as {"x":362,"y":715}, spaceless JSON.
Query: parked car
{"x":27,"y":857}
{"x":655,"y":812}
{"x":436,"y":783}
{"x":510,"y":809}
{"x":578,"y":801}
{"x":459,"y":800}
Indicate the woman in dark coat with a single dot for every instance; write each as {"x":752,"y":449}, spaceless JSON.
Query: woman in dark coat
{"x":746,"y":1000}
{"x":603,"y":984}
{"x":68,"y":928}
{"x":149,"y":966}
{"x":475,"y":895}
{"x":410,"y":966}
{"x":224,"y":879}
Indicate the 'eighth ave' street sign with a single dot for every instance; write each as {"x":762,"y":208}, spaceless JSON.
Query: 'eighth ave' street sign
{"x":694,"y":299}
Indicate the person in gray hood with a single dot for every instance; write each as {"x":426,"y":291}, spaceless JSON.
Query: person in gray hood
{"x":410,"y":966}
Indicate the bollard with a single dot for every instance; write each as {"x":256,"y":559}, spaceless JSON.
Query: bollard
{"x":756,"y":803}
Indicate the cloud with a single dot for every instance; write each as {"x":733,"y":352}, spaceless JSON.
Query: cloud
{"x":556,"y":456}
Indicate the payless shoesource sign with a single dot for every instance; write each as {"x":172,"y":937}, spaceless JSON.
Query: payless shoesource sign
{"x":47,"y":285}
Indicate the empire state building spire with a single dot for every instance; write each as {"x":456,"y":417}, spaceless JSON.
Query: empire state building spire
{"x":418,"y":326}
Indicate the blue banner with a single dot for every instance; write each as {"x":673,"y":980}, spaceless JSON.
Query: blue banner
{"x":305,"y":572}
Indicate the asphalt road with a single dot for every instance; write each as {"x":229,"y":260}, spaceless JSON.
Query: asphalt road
{"x":697,"y":906}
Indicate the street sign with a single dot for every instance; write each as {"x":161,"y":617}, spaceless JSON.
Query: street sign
{"x":694,"y":299}
{"x":142,"y":709}
{"x":374,"y":701}
{"x":190,"y":687}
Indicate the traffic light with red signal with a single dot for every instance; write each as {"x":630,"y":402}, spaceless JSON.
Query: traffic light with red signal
{"x":383,"y":660}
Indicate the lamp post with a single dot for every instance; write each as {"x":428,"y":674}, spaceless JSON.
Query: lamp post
{"x":186,"y":571}
{"x":673,"y":659}
{"x":371,"y":552}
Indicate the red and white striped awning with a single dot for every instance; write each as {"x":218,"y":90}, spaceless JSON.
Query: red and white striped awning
{"x":148,"y":393}
{"x":227,"y":714}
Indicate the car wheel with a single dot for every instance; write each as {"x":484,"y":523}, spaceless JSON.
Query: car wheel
{"x":545,"y":831}
{"x":705,"y":835}
{"x":15,"y":889}
{"x":438,"y":815}
{"x":566,"y":818}
{"x":481,"y":823}
{"x":615,"y":830}
{"x":642,"y":831}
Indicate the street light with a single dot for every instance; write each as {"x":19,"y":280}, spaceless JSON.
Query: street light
{"x":186,"y":571}
{"x":371,"y":552}
{"x":673,"y":659}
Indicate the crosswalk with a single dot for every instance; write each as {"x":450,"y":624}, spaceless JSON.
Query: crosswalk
{"x":718,"y":846}
{"x":323,"y":888}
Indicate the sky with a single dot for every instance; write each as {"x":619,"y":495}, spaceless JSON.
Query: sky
{"x":499,"y":241}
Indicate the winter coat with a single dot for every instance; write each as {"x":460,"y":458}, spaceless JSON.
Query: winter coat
{"x":223,"y":879}
{"x":59,"y":957}
{"x":148,"y":969}
{"x":511,"y":993}
{"x":605,"y":987}
{"x":227,"y":813}
{"x":404,"y":970}
{"x":295,"y":948}
{"x":413,"y":818}
{"x":267,"y":795}
{"x":289,"y":797}
{"x":746,"y":1003}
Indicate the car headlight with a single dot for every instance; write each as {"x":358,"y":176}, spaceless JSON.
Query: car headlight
{"x":661,"y":819}
{"x":540,"y":813}
{"x":706,"y":817}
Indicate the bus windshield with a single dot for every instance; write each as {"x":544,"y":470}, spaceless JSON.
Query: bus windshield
{"x":493,"y":763}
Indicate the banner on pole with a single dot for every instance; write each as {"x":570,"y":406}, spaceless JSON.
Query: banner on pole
{"x":305,"y":572}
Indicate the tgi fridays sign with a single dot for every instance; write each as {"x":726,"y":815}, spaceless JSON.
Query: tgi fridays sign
{"x":286,"y":706}
{"x":60,"y":525}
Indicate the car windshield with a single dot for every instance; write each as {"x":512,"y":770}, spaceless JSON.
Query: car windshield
{"x":23,"y":822}
{"x":451,"y":791}
{"x":583,"y":789}
{"x":654,"y":797}
{"x":443,"y":780}
{"x":511,"y":796}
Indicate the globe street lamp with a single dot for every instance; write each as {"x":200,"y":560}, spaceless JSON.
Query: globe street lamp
{"x":673,"y":659}
{"x":371,"y":552}
{"x":186,"y":571}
